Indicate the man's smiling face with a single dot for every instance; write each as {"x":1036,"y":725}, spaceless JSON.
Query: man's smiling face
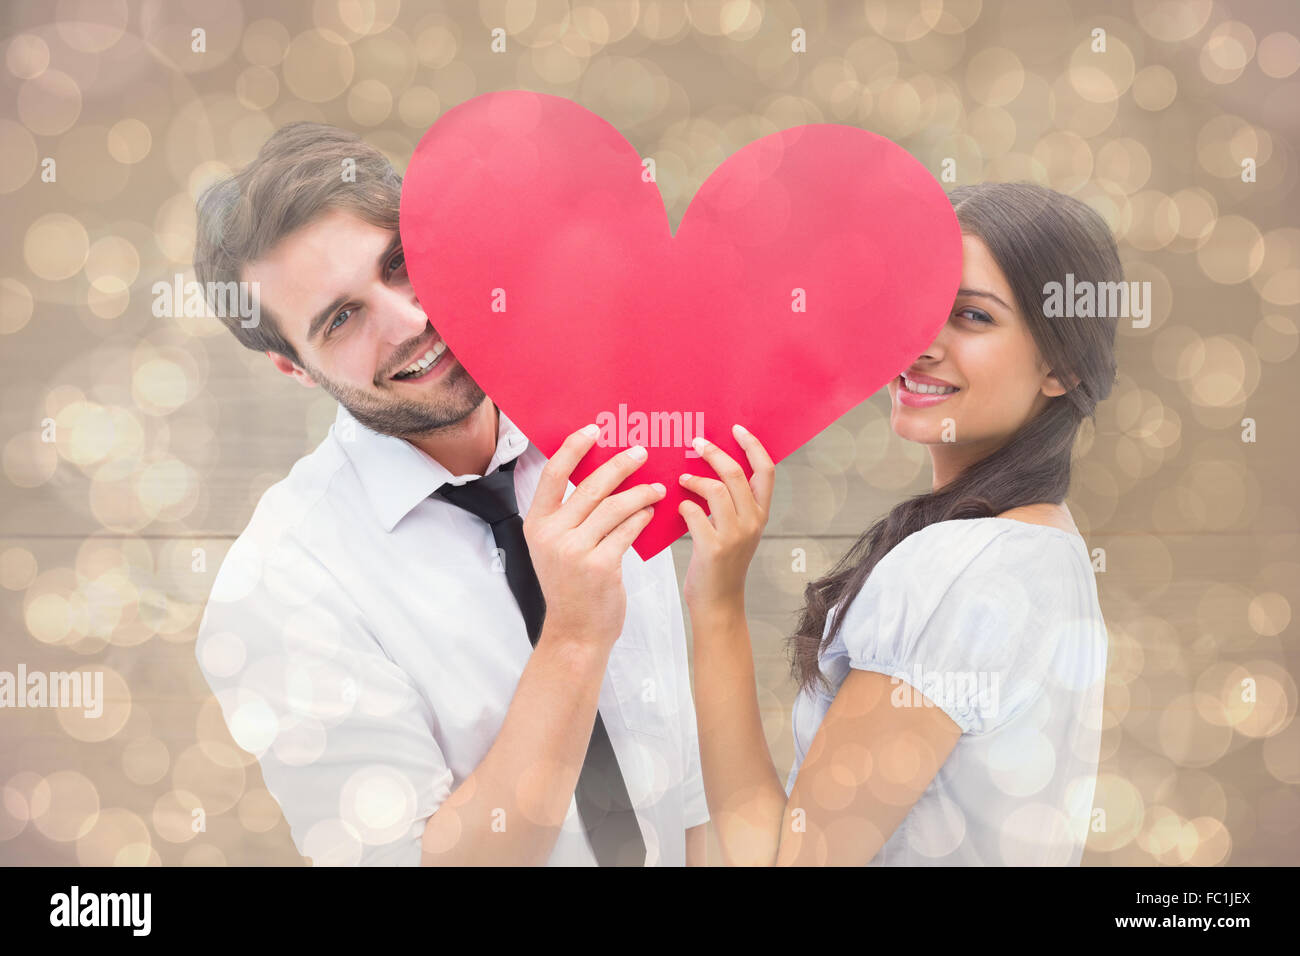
{"x":340,"y":291}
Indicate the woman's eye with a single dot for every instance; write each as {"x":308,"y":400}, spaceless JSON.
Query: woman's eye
{"x":977,"y":315}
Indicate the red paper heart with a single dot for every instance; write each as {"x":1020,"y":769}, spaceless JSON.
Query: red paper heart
{"x":531,"y":202}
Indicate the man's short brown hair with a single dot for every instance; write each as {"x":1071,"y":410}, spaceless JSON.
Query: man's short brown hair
{"x":301,"y":171}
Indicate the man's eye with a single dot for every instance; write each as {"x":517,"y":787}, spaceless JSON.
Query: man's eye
{"x":397,"y":262}
{"x":335,"y":324}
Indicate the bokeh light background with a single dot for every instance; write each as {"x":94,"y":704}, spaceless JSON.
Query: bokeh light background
{"x":167,"y":432}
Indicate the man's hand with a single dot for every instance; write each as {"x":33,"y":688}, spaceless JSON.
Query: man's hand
{"x":577,"y":546}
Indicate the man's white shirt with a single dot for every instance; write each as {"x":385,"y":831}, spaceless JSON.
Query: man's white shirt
{"x":363,"y":643}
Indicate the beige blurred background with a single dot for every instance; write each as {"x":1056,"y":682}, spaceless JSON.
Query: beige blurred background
{"x":166,"y":432}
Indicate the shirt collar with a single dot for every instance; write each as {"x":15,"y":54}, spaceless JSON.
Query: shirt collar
{"x":397,"y":476}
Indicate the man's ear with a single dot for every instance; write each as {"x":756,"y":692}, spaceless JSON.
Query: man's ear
{"x":293,"y":371}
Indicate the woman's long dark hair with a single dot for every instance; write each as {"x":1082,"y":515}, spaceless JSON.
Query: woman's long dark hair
{"x":1036,"y":236}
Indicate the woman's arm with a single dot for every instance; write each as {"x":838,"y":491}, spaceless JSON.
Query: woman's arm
{"x":868,"y":764}
{"x":747,"y":802}
{"x":745,"y":796}
{"x":870,"y":760}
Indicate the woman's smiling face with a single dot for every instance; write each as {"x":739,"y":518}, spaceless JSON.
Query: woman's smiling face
{"x":987,"y":353}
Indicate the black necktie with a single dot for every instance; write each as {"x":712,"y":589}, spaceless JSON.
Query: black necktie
{"x":603,"y":802}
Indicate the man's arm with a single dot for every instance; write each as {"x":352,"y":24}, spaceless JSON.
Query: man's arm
{"x":522,"y":788}
{"x":509,"y":811}
{"x":346,"y":741}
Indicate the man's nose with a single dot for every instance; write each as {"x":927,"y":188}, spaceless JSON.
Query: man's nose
{"x":401,"y":316}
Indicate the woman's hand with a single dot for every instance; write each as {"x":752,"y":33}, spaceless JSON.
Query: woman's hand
{"x":724,"y":540}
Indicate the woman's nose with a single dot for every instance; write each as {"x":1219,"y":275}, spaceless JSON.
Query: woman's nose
{"x":935,"y":350}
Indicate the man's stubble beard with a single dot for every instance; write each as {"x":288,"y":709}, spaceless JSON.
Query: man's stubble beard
{"x":403,"y":417}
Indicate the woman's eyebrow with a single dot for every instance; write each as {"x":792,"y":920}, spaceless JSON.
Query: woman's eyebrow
{"x":986,"y":295}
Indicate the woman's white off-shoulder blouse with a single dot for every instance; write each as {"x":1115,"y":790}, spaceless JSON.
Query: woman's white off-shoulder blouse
{"x":997,"y":622}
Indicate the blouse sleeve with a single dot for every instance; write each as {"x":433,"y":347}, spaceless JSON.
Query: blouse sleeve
{"x":960,"y":614}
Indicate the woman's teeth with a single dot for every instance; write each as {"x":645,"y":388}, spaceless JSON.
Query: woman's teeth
{"x":423,"y":362}
{"x":928,"y":389}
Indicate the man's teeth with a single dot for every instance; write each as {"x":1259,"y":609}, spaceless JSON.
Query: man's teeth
{"x":425,"y":360}
{"x":928,"y":389}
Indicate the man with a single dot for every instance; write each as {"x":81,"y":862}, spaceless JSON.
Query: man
{"x":368,"y":636}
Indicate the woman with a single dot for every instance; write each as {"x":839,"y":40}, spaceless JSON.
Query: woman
{"x":951,"y":664}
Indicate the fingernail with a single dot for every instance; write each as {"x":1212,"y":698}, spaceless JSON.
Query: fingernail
{"x":700,"y":442}
{"x":740,"y":430}
{"x":637,"y":453}
{"x":658,"y":486}
{"x":592,"y":430}
{"x":685,"y":477}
